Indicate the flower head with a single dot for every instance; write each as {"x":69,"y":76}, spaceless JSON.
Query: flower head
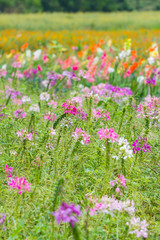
{"x":20,"y":184}
{"x":67,"y":213}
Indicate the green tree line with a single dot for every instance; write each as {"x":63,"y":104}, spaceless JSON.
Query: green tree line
{"x":24,"y":6}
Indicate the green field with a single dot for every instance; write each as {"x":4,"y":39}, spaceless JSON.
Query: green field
{"x":69,"y":21}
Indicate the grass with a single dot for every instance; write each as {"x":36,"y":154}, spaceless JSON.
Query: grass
{"x":70,"y":21}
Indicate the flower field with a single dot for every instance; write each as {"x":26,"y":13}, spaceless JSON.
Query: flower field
{"x":80,"y":135}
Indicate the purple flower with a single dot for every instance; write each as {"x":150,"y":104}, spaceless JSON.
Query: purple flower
{"x":13,"y":93}
{"x":2,"y":218}
{"x":151,"y":81}
{"x":67,"y":213}
{"x":141,"y":144}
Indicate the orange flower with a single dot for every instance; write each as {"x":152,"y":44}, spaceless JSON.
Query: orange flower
{"x":24,"y":46}
{"x":134,"y":53}
{"x":125,"y":65}
{"x":13,"y":51}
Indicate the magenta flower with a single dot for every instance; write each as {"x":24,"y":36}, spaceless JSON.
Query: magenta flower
{"x":151,"y":81}
{"x":20,"y":184}
{"x":75,"y":111}
{"x":8,"y":170}
{"x":141,"y":144}
{"x":39,"y":68}
{"x":108,"y":134}
{"x":67,"y":213}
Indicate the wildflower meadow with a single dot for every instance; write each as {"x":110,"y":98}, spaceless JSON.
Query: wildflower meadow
{"x":80,"y":141}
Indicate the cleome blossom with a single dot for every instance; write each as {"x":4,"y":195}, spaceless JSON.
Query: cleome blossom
{"x":75,"y":111}
{"x":141,"y":144}
{"x":20,"y":184}
{"x":80,"y":134}
{"x":138,"y":227}
{"x":67,"y":213}
{"x":105,"y":133}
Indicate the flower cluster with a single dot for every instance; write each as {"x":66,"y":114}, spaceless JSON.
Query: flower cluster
{"x":8,"y":170}
{"x":75,"y":111}
{"x":138,"y":227}
{"x":118,"y":183}
{"x":105,"y":133}
{"x":67,"y":213}
{"x":150,"y":107}
{"x":20,"y":184}
{"x":124,"y":151}
{"x":110,"y":205}
{"x":50,"y":116}
{"x":79,"y":134}
{"x":20,"y":113}
{"x":25,"y":134}
{"x":100,"y":113}
{"x":141,"y":144}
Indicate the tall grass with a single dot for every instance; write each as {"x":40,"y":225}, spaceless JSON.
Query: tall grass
{"x":70,"y":21}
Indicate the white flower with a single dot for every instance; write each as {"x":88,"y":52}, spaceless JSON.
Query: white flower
{"x":26,"y":99}
{"x":99,"y":51}
{"x":140,"y":79}
{"x":125,"y":150}
{"x":44,"y":96}
{"x":150,"y":60}
{"x":52,"y":132}
{"x":124,"y":54}
{"x":28,"y":53}
{"x":110,"y":70}
{"x":34,"y":108}
{"x":45,"y":83}
{"x":96,"y":59}
{"x":4,"y":66}
{"x":37,"y":54}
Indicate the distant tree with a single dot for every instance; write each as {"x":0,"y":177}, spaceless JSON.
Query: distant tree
{"x":51,"y":5}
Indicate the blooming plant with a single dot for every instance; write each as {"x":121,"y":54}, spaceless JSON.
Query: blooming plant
{"x":77,"y":121}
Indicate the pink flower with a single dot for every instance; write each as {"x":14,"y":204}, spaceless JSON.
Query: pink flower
{"x":8,"y":170}
{"x":19,"y":113}
{"x":99,"y":113}
{"x":79,"y":134}
{"x":25,"y":134}
{"x":108,"y":134}
{"x":45,"y":59}
{"x":20,"y":184}
{"x":17,"y":64}
{"x":39,"y":68}
{"x":123,"y":181}
{"x":50,"y":116}
{"x":118,"y":183}
{"x":52,"y":103}
{"x":138,"y":227}
{"x":74,"y":67}
{"x":17,"y":101}
{"x":3,"y":73}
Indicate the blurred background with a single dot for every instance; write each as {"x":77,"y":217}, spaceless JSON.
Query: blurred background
{"x":27,"y":6}
{"x":78,"y":22}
